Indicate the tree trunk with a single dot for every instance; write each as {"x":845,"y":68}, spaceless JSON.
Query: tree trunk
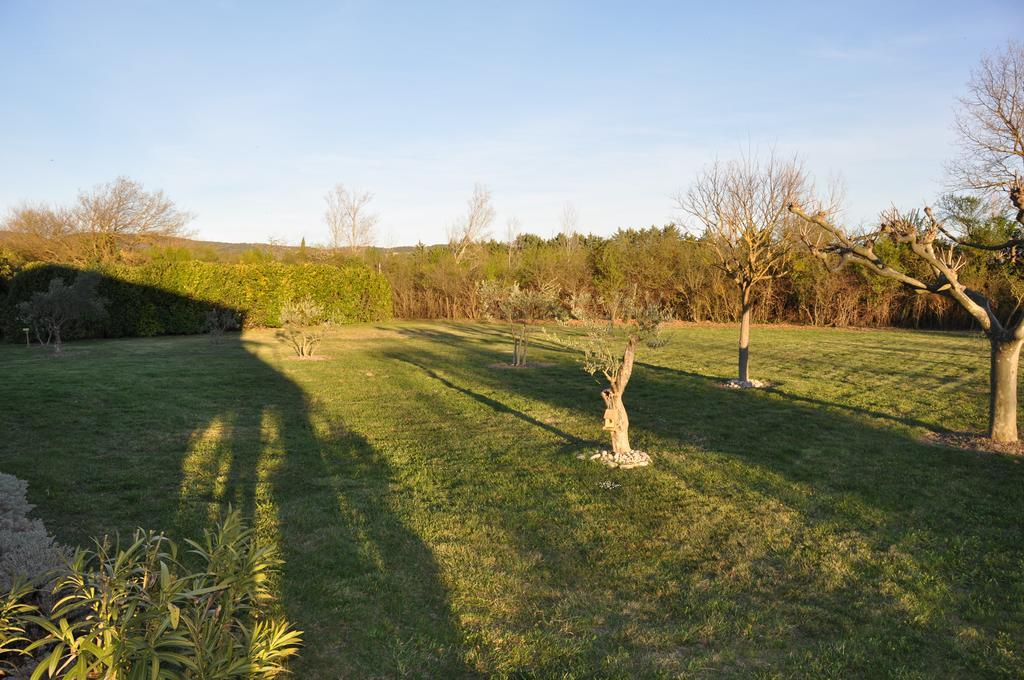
{"x":1002,"y":413}
{"x":744,"y":374}
{"x":616,"y":421}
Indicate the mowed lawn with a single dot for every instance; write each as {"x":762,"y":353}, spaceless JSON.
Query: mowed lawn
{"x":436,"y":522}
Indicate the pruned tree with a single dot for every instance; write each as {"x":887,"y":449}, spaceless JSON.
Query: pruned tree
{"x":122,"y":214}
{"x":474,"y":225}
{"x":609,"y":350}
{"x":922,"y":233}
{"x":349,"y":220}
{"x":991,"y":127}
{"x":48,"y":313}
{"x":741,"y":208}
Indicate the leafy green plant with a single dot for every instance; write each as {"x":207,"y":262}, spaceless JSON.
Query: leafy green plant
{"x":136,"y":611}
{"x":303,"y":326}
{"x":14,"y":607}
{"x":49,"y":312}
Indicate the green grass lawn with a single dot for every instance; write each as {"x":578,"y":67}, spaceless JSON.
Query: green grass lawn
{"x":436,"y":522}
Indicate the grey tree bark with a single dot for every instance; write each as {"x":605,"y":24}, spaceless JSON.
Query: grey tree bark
{"x":1005,"y":357}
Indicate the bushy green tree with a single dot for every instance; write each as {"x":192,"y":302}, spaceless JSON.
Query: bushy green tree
{"x":49,"y":312}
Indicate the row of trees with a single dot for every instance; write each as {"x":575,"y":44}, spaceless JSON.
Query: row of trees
{"x":756,"y":241}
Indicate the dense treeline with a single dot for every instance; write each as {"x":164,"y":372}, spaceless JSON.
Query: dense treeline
{"x":676,"y":269}
{"x":166,"y":298}
{"x":662,"y":264}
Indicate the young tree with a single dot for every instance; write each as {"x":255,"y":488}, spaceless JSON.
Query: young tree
{"x":741,"y":208}
{"x":49,"y":312}
{"x":512,"y":229}
{"x":610,"y":351}
{"x":570,"y":225}
{"x":473,"y":227}
{"x":518,"y":307}
{"x":349,"y":220}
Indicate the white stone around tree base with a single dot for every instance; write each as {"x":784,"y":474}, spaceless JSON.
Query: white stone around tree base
{"x":630,"y":459}
{"x":738,"y":384}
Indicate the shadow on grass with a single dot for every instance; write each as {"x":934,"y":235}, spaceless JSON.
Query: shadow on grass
{"x":766,"y":529}
{"x":363,"y":586}
{"x":922,"y":513}
{"x":165,"y":433}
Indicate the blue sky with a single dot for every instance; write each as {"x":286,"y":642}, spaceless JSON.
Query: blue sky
{"x":246,"y":113}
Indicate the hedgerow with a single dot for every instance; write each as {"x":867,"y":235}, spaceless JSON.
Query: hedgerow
{"x":173,"y":298}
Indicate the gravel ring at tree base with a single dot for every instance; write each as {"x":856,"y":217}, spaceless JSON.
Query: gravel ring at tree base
{"x":737,"y":384}
{"x":624,"y":461}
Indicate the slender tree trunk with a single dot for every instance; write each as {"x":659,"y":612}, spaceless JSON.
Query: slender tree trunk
{"x":1002,"y":418}
{"x":526,"y":342}
{"x":744,"y":357}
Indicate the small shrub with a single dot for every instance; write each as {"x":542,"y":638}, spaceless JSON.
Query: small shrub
{"x":303,"y":326}
{"x":135,"y":611}
{"x":27,"y":552}
{"x":218,"y":321}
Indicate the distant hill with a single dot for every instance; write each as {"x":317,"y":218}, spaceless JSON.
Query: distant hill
{"x":224,"y":250}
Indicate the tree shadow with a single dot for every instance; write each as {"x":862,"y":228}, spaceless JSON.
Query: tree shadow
{"x":174,"y":431}
{"x":923,"y":512}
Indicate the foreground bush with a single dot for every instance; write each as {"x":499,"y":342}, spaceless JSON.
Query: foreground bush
{"x":137,"y":611}
{"x":28,"y":554}
{"x":170,"y":298}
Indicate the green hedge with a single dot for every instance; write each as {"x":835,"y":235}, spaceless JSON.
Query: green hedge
{"x":173,"y":298}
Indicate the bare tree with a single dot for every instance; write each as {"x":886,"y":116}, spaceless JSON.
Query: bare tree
{"x":512,"y":229}
{"x":473,"y":227}
{"x":570,"y":224}
{"x":122,"y":214}
{"x":990,"y":123}
{"x":348,"y":217}
{"x":42,"y":232}
{"x":104,"y":222}
{"x":741,"y":207}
